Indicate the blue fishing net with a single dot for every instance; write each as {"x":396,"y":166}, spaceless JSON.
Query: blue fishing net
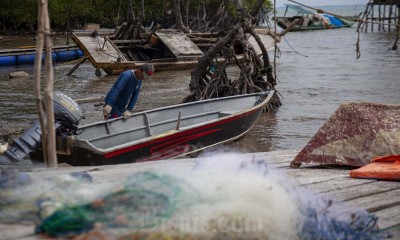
{"x":325,"y":223}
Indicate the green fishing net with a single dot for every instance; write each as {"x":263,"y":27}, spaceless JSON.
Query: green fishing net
{"x":140,"y":203}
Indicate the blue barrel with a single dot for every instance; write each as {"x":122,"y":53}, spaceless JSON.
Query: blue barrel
{"x":26,"y":59}
{"x":8,"y":60}
{"x":80,"y":53}
{"x":65,"y":55}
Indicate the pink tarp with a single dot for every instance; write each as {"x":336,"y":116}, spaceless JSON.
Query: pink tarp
{"x":354,"y":134}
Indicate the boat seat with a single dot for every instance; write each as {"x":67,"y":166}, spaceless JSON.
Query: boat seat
{"x":152,"y":128}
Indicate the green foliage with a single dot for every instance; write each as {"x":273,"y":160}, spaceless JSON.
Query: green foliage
{"x":72,"y":14}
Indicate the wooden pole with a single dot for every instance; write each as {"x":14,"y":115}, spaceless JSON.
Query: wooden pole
{"x":390,"y":15}
{"x":36,"y":74}
{"x":394,"y":47}
{"x":384,"y":17}
{"x":372,"y":17}
{"x":379,"y":17}
{"x":76,"y":66}
{"x":48,"y":91}
{"x":45,"y":106}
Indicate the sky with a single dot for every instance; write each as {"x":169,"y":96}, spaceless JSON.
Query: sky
{"x":322,"y":2}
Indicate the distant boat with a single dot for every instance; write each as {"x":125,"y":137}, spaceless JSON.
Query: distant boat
{"x":27,"y":55}
{"x":305,"y":20}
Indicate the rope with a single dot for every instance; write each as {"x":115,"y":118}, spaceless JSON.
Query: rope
{"x":101,"y":49}
{"x":294,"y":50}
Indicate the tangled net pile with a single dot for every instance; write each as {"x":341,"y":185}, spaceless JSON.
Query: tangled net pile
{"x":149,"y":205}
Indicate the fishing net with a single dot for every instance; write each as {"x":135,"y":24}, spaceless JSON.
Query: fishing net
{"x":23,"y":198}
{"x":224,"y":197}
{"x":141,"y":202}
{"x":324,"y":220}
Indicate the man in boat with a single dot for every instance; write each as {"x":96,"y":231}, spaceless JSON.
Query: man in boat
{"x":122,"y":97}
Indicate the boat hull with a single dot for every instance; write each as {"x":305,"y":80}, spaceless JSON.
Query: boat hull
{"x":171,"y":143}
{"x":169,"y":146}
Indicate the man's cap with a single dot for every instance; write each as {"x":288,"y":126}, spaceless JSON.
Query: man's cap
{"x":148,"y":70}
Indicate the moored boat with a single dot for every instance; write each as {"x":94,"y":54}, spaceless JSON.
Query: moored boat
{"x":167,"y":132}
{"x":131,"y":46}
{"x":162,"y":133}
{"x":304,"y":20}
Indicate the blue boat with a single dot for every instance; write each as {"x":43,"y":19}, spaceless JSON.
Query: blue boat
{"x":27,"y":56}
{"x":304,"y":20}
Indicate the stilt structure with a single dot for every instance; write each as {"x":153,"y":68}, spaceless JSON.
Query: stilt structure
{"x":383,"y":13}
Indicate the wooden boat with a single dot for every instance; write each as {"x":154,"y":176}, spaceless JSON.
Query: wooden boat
{"x":113,"y":56}
{"x":27,"y":55}
{"x":132,"y":46}
{"x":163,"y":133}
{"x":304,"y":20}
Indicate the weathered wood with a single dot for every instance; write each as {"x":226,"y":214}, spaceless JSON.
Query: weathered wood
{"x":179,"y":44}
{"x":97,"y":49}
{"x":389,"y":217}
{"x":348,"y":190}
{"x":76,"y":66}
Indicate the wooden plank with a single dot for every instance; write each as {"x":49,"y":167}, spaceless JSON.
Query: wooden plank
{"x":98,"y":49}
{"x":376,"y":202}
{"x":349,"y":189}
{"x":179,"y":44}
{"x":389,"y":217}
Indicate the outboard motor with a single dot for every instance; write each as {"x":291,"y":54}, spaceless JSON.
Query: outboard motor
{"x":67,"y":116}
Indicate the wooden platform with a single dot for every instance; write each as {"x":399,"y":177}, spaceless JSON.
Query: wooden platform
{"x":378,"y":197}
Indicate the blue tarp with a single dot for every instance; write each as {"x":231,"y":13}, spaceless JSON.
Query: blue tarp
{"x":333,"y":20}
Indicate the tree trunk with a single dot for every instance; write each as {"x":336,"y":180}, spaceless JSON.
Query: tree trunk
{"x":141,"y":15}
{"x":187,"y":13}
{"x":178,"y":17}
{"x":131,"y":14}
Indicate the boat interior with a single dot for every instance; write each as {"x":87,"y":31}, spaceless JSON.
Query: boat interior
{"x":153,"y":123}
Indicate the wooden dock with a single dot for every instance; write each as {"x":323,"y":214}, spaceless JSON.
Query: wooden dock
{"x":378,"y":197}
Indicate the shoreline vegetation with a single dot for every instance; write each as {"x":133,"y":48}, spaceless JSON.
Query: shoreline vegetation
{"x":66,"y":15}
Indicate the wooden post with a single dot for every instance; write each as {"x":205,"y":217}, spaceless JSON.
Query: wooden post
{"x":394,"y":47}
{"x":372,"y":17}
{"x":379,"y":17}
{"x":46,"y":112}
{"x":390,"y":15}
{"x":384,"y":17}
{"x":37,"y":73}
{"x":76,"y":66}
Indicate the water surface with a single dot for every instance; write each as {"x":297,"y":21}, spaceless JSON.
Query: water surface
{"x":312,"y":87}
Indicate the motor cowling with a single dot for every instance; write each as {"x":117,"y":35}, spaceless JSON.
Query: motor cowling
{"x":67,"y":115}
{"x":66,"y":109}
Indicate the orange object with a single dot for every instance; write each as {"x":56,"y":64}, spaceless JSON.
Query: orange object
{"x":383,"y":168}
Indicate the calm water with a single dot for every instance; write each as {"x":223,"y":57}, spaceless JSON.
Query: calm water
{"x":312,"y":87}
